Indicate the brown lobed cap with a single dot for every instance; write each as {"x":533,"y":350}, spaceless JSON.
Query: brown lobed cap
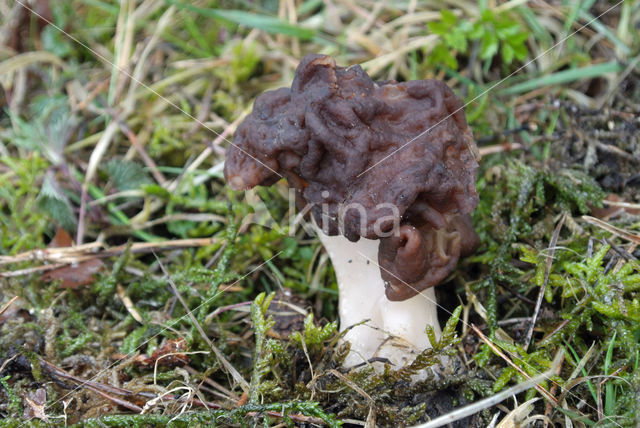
{"x":369,"y":156}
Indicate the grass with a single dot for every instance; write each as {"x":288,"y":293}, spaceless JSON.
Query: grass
{"x":114,"y":121}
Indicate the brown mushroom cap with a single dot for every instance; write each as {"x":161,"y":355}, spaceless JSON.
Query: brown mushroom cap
{"x":419,"y":258}
{"x":361,"y":152}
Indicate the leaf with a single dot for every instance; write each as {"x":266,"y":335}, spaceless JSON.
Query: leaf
{"x":127,"y":175}
{"x":507,"y":53}
{"x":520,"y":51}
{"x":465,"y":26}
{"x":489,"y":45}
{"x":448,"y":17}
{"x":477,"y":31}
{"x":61,"y":239}
{"x":507,"y":29}
{"x":438,"y":28}
{"x":518,"y":38}
{"x":172,"y":353}
{"x":75,"y":275}
{"x":48,"y":128}
{"x":54,"y":41}
{"x":53,"y":202}
{"x":36,"y":405}
{"x":457,"y":40}
{"x":442,"y":55}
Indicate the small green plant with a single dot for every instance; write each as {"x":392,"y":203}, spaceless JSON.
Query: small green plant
{"x":243,"y":60}
{"x":495,"y":32}
{"x":261,"y":325}
{"x":314,"y":336}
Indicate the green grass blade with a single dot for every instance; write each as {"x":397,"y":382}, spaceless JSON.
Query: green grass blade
{"x":602,"y":29}
{"x":610,"y":392}
{"x":565,"y":76}
{"x":248,"y":19}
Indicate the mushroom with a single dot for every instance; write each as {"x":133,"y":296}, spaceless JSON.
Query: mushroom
{"x":387,"y":171}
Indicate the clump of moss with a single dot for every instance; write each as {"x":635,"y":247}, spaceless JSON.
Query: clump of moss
{"x":520,"y":203}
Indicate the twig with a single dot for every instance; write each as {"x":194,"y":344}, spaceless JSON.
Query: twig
{"x":498,"y":148}
{"x":547,"y":271}
{"x":83,"y":209}
{"x":79,"y":253}
{"x":118,"y":401}
{"x":29,"y":271}
{"x":157,"y":175}
{"x":101,"y":389}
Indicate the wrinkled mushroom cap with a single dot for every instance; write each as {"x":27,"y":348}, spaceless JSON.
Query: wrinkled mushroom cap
{"x":367,"y":156}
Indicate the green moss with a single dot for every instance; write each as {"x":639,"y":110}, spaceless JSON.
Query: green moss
{"x":514,"y":199}
{"x":15,"y":404}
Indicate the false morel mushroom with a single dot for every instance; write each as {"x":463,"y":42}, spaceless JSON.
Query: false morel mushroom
{"x":387,"y":171}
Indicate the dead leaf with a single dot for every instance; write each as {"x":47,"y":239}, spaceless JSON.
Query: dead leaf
{"x":76,"y":274}
{"x":171,"y":354}
{"x":35,"y":407}
{"x":62,"y":239}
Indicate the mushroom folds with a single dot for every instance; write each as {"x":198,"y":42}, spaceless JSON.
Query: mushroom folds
{"x":377,"y":160}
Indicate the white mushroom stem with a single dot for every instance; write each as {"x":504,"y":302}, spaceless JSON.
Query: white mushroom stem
{"x":395,"y":330}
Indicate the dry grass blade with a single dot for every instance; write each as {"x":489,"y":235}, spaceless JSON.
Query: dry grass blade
{"x":547,"y":271}
{"x":517,"y":415}
{"x":8,"y":304}
{"x":128,"y":304}
{"x":612,"y":229}
{"x":108,"y":391}
{"x":352,"y":385}
{"x":501,"y":354}
{"x":498,"y":148}
{"x":20,"y":61}
{"x":219,"y":355}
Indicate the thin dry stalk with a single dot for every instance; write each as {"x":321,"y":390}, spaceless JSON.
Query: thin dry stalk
{"x":547,"y":271}
{"x":498,"y":352}
{"x":8,"y":304}
{"x":612,"y":229}
{"x":225,"y":363}
{"x":79,"y":253}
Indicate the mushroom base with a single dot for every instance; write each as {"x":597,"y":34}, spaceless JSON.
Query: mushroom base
{"x":393,"y":330}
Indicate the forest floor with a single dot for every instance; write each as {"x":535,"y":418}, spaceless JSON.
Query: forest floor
{"x":134,"y":292}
